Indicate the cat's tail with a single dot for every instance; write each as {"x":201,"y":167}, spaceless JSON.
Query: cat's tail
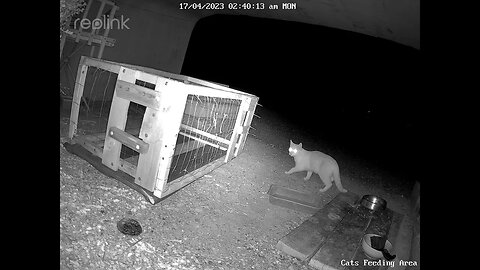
{"x":338,"y":183}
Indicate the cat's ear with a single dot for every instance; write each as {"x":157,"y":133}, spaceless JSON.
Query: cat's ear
{"x":300,"y":144}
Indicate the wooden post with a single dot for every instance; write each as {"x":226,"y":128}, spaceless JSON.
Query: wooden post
{"x":77,"y":96}
{"x":118,"y":119}
{"x":237,"y":129}
{"x":252,"y":104}
{"x":64,"y":37}
{"x":95,"y":31}
{"x":160,"y":129}
{"x":128,"y":140}
{"x":62,"y":43}
{"x":107,"y":30}
{"x":99,"y":13}
{"x":85,"y":13}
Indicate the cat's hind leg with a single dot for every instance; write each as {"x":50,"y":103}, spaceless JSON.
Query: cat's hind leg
{"x":338,"y":182}
{"x":327,"y":181}
{"x":309,"y":174}
{"x":327,"y":186}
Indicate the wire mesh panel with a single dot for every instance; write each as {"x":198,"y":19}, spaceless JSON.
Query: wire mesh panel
{"x":207,"y":126}
{"x":95,"y":101}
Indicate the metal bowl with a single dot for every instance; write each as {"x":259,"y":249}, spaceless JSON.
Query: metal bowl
{"x":373,"y":202}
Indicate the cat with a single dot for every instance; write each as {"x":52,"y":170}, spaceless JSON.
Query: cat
{"x":315,"y":162}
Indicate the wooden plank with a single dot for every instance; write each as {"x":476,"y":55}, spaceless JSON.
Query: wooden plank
{"x":203,"y":91}
{"x":138,"y":94}
{"x":160,"y":130}
{"x":84,"y":36}
{"x":97,"y":137}
{"x":62,"y":41}
{"x":147,"y":77}
{"x":202,"y":141}
{"x":144,"y":69}
{"x":252,"y":104}
{"x":94,"y":29}
{"x":108,"y":2}
{"x":150,"y":132}
{"x":222,"y":128}
{"x":187,"y":146}
{"x":88,"y":145}
{"x":128,"y":140}
{"x":212,"y":92}
{"x":232,"y":145}
{"x":188,"y":178}
{"x":210,"y":84}
{"x":103,"y":64}
{"x":344,"y":243}
{"x":96,"y":140}
{"x":127,"y":168}
{"x":107,"y":30}
{"x":85,"y":13}
{"x":118,"y":119}
{"x":304,"y":241}
{"x":295,"y":200}
{"x":77,"y":96}
{"x":205,"y":134}
{"x":176,"y":101}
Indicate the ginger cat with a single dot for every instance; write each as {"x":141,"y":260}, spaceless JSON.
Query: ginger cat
{"x":315,"y":162}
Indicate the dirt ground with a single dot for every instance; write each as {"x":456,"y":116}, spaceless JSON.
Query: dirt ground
{"x":221,"y":221}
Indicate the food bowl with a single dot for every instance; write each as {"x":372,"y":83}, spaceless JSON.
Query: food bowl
{"x":373,"y":202}
{"x":370,"y":252}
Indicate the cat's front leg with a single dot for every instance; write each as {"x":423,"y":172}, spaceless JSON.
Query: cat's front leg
{"x":309,"y":174}
{"x":292,"y":170}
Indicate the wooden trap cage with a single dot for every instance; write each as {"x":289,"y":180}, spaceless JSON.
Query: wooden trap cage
{"x":153,"y":130}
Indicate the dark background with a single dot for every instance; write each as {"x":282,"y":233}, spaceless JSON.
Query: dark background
{"x":361,"y":94}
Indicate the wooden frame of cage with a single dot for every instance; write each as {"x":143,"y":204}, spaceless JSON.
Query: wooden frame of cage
{"x":156,"y":143}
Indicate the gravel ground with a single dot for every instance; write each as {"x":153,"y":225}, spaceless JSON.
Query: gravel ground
{"x":221,"y":221}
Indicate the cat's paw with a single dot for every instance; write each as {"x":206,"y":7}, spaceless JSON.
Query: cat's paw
{"x":344,"y":190}
{"x":286,"y":173}
{"x":306,"y":179}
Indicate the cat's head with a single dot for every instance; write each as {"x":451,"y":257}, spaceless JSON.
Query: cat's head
{"x":294,"y":148}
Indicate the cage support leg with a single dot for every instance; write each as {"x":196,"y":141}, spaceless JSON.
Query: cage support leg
{"x":116,"y":119}
{"x":77,"y":95}
{"x":160,"y":130}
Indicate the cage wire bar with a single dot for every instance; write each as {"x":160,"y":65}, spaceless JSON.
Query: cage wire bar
{"x":162,"y":130}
